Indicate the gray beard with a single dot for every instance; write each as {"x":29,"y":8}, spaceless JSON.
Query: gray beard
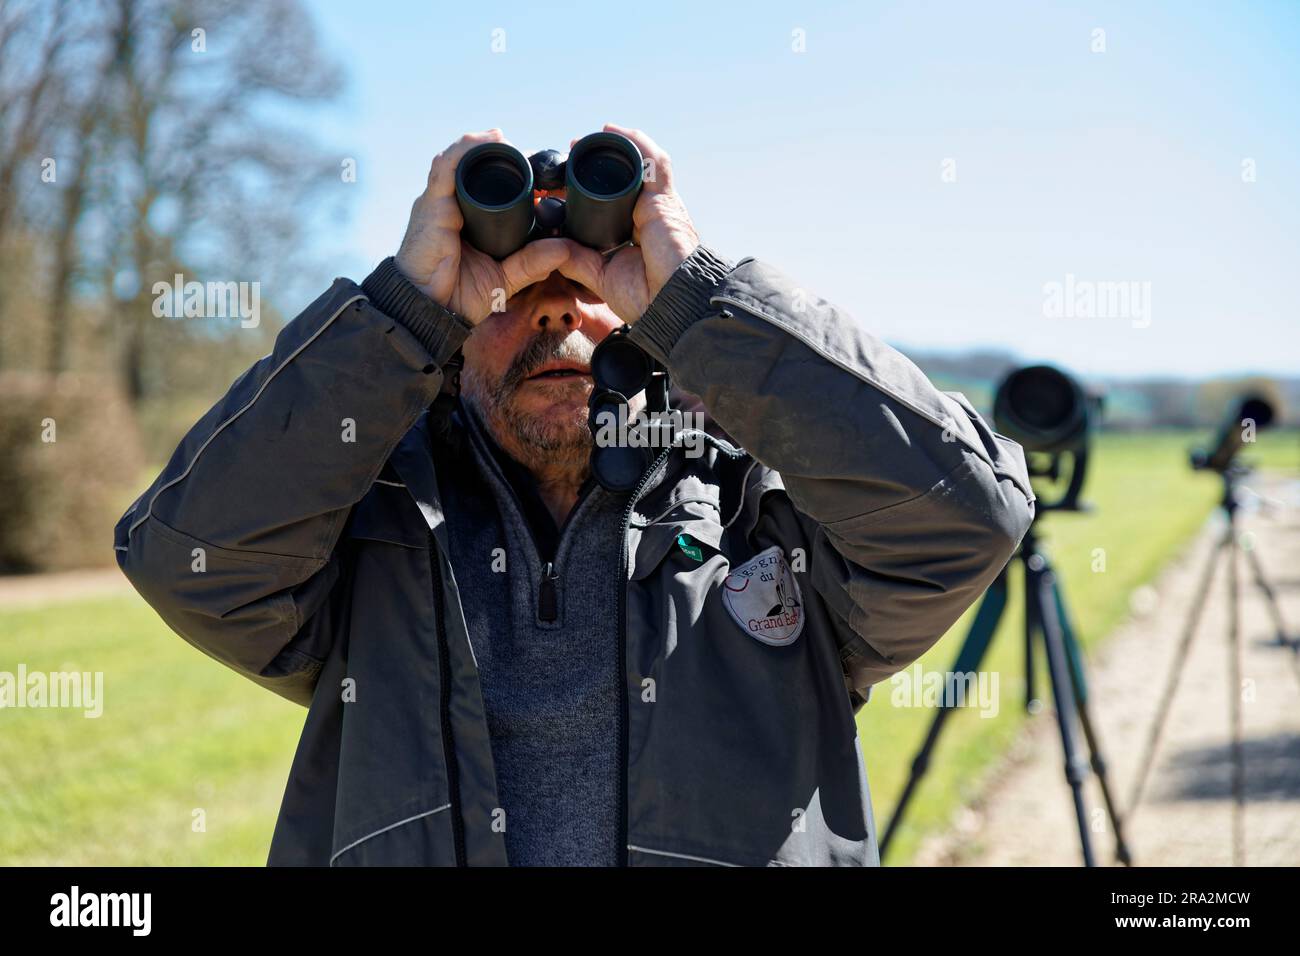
{"x":538,"y":440}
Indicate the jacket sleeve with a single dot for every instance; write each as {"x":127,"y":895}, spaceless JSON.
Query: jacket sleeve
{"x":234,"y":544}
{"x":912,"y":504}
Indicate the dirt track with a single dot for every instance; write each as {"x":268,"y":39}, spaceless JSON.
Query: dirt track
{"x":27,"y":590}
{"x":1025,"y":815}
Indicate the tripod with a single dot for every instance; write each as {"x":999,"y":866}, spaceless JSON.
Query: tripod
{"x":1045,"y":616}
{"x":1229,"y":544}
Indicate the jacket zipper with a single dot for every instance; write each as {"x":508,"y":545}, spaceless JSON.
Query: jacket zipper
{"x":622,"y":657}
{"x":444,"y":706}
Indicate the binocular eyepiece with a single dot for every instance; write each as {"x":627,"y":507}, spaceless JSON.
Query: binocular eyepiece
{"x":496,"y":183}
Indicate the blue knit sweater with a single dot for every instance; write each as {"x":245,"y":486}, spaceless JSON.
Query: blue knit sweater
{"x":547,"y":653}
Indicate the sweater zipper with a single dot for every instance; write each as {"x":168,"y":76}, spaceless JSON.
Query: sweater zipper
{"x":547,"y":606}
{"x":548,"y":603}
{"x":622,"y":657}
{"x":444,"y":702}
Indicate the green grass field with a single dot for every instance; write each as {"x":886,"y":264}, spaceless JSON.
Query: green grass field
{"x":180,"y":733}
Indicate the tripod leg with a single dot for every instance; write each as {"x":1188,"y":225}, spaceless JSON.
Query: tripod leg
{"x":1274,"y":607}
{"x":1234,"y":709}
{"x":1040,"y":586}
{"x":968,"y":660}
{"x":1176,"y":672}
{"x":1032,"y":704}
{"x":1077,"y":675}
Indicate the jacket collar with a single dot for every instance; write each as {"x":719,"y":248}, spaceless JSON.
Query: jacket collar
{"x":412,"y":459}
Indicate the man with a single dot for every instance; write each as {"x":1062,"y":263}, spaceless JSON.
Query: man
{"x":504,"y":661}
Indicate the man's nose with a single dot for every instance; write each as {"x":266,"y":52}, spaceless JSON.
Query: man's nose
{"x":556,"y":312}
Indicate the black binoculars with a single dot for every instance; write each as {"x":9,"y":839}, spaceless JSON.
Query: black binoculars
{"x":495,"y":186}
{"x":620,"y":370}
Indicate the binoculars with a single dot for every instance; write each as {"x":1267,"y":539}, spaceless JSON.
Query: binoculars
{"x":620,"y":370}
{"x":496,"y":184}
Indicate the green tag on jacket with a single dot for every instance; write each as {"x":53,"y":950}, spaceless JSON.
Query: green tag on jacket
{"x":684,"y":542}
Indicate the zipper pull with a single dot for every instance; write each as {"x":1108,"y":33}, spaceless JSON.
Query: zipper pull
{"x":547,"y":609}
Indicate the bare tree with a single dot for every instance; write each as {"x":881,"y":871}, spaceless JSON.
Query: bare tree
{"x":171,"y":121}
{"x":197,"y":145}
{"x":32,"y":40}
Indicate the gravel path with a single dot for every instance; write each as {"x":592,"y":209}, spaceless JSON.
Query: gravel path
{"x":28,"y":590}
{"x":1025,"y":816}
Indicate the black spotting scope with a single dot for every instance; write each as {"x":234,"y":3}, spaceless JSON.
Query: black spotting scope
{"x":496,"y":188}
{"x":1253,"y":411}
{"x":1042,"y":408}
{"x":1050,"y":413}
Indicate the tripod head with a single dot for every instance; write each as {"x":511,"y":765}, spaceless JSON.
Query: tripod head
{"x":1051,"y":468}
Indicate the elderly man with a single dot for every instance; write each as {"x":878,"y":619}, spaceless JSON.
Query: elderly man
{"x":504,"y":661}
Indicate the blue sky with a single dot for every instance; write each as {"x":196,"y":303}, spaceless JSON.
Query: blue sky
{"x":1116,"y":166}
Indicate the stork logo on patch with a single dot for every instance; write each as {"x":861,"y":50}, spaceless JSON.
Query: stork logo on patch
{"x":763,"y":598}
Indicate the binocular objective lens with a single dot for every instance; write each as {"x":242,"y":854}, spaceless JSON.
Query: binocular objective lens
{"x":622,"y":367}
{"x":1043,"y":400}
{"x":493,"y":181}
{"x":604,"y":171}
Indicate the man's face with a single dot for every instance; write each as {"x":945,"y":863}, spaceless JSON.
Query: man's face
{"x":528,"y":372}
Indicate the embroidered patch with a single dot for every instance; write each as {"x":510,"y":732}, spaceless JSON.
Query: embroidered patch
{"x":763,"y":597}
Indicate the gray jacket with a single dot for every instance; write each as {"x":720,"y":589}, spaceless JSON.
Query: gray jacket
{"x":865,"y":513}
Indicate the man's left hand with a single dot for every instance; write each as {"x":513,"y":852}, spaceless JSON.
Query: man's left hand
{"x":662,"y":232}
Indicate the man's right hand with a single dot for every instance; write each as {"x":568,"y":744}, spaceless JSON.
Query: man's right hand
{"x":450,"y":271}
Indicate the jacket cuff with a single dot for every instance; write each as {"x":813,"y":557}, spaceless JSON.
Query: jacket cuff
{"x":682,"y":301}
{"x":438,"y":329}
